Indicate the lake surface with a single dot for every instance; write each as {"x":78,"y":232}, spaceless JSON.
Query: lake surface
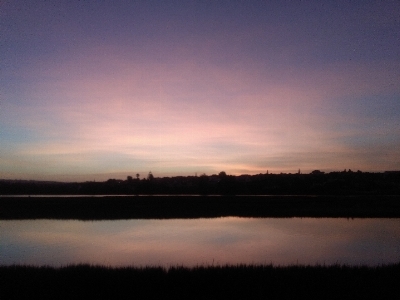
{"x":192,"y":242}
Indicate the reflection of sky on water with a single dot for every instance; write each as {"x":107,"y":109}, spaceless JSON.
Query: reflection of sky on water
{"x":201,"y":241}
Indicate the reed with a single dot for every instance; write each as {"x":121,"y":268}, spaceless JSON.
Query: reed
{"x":215,"y":282}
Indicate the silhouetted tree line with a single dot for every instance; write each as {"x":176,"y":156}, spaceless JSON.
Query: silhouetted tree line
{"x":315,"y":183}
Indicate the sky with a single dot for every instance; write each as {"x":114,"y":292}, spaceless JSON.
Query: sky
{"x":91,"y":90}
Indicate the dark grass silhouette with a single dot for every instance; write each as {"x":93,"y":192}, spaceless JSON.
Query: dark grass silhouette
{"x":216,"y":282}
{"x":164,"y":207}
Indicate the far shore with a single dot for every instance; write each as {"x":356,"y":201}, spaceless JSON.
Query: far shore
{"x":167,"y":207}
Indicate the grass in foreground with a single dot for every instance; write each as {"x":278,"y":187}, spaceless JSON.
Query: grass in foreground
{"x":217,"y":282}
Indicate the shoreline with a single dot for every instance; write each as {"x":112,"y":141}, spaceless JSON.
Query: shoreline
{"x":172,"y":207}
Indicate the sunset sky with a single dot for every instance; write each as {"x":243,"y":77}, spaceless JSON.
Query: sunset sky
{"x":91,"y":90}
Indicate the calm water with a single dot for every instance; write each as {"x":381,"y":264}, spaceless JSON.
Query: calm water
{"x":193,"y":242}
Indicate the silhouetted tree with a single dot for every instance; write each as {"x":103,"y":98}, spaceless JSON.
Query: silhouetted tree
{"x":203,"y":184}
{"x":222,"y":174}
{"x":226,"y":184}
{"x":317,"y":172}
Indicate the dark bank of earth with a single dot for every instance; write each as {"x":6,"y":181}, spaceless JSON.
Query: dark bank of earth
{"x":164,"y":207}
{"x":227,"y":282}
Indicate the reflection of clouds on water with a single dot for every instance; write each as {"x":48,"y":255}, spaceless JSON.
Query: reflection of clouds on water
{"x":201,"y":241}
